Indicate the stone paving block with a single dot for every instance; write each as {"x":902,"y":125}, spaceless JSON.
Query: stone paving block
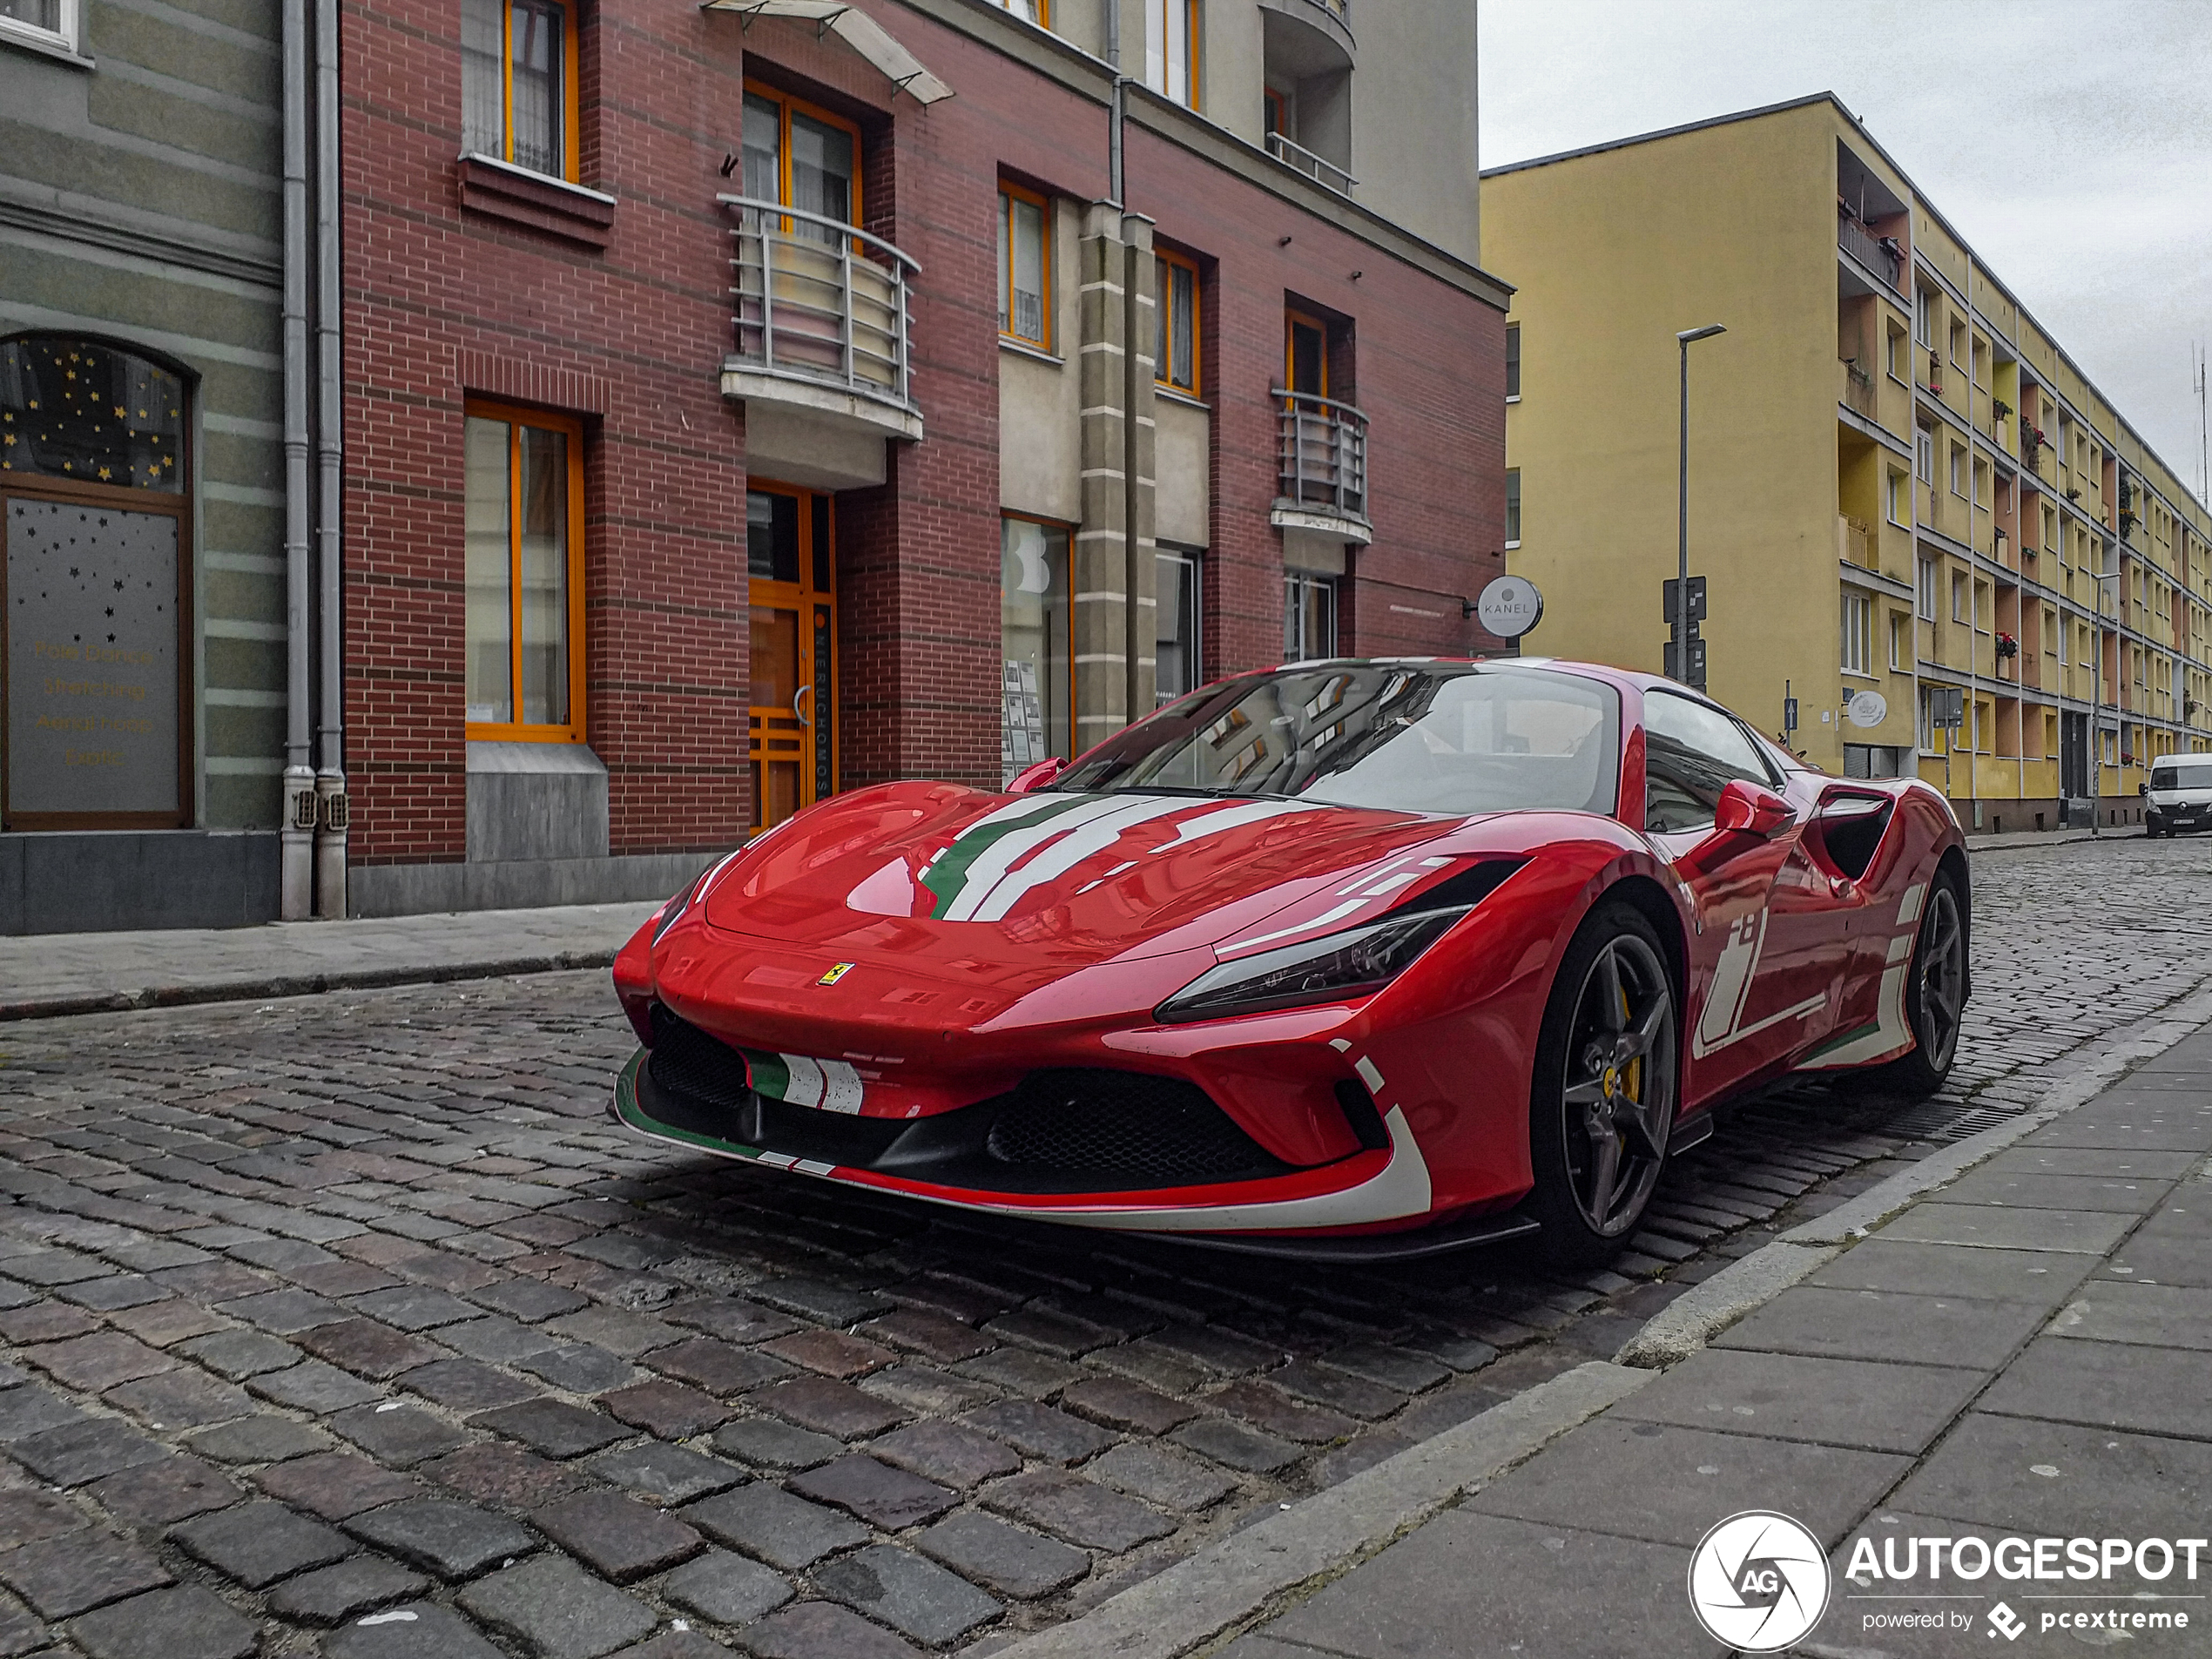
{"x":186,"y":1623}
{"x":677,"y":1644}
{"x":335,"y":1485}
{"x":1157,"y":1369}
{"x":504,"y":1474}
{"x":558,"y":1611}
{"x":64,"y":1576}
{"x":157,"y":1494}
{"x":32,"y":1408}
{"x":51,"y":1267}
{"x":526,"y":1300}
{"x":616,"y":1536}
{"x":1220,"y":1350}
{"x":1336,"y":1390}
{"x":665,"y":1474}
{"x":1003,"y":1558}
{"x":724,"y":1589}
{"x":921,"y":1391}
{"x":771,"y":1524}
{"x":95,"y":1363}
{"x":313,"y":1386}
{"x":28,"y":1515}
{"x":1127,"y":1406}
{"x":1266,"y":1407}
{"x":400,"y":1435}
{"x":259,"y":1543}
{"x":1081,"y":1511}
{"x":432,"y":1633}
{"x":265,"y":1438}
{"x":930,"y":1334}
{"x":828,"y":1407}
{"x":812,"y":1299}
{"x":46,"y":1321}
{"x":830,"y":1353}
{"x":1343,"y":1462}
{"x":21,"y":1630}
{"x":1049,"y":1333}
{"x":822,"y":1630}
{"x":180,"y":1398}
{"x":716,"y":1366}
{"x":464,"y":1385}
{"x":84,"y":1450}
{"x":1041,"y":1432}
{"x":119,"y":1291}
{"x":914,"y":1597}
{"x":332,"y":1594}
{"x":239,"y":1354}
{"x":1398,"y":1370}
{"x":455,"y":1540}
{"x":2110,"y":1385}
{"x":1019,"y":1371}
{"x":285,"y":1312}
{"x":1843,"y":1402}
{"x":616,"y":1330}
{"x":414,"y":1307}
{"x":1239,"y":1446}
{"x":496,"y":1338}
{"x":214,"y":1281}
{"x":553,"y":1427}
{"x":765,"y":1443}
{"x":728,"y":1318}
{"x":1160,"y":1478}
{"x":670,"y":1410}
{"x":1887,"y":1324}
{"x":951,"y":1454}
{"x":368,"y":1349}
{"x":341,"y":1278}
{"x":579,"y":1367}
{"x":888,"y":1498}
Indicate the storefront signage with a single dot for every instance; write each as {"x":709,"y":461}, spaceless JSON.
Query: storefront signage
{"x":1509,"y":607}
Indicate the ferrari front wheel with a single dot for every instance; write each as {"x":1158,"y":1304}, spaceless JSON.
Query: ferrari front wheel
{"x":1604,"y":1097}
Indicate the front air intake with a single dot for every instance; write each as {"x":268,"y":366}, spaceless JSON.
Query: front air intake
{"x":692,"y":1066}
{"x":1121,"y":1128}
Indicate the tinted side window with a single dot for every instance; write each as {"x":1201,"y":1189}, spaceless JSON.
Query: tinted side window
{"x":1690,"y":753}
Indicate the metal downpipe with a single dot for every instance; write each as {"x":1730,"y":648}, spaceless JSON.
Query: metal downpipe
{"x":332,"y":815}
{"x":295,"y":882}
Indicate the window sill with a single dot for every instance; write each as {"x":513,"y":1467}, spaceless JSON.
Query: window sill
{"x":1029,"y":348}
{"x":42,"y":44}
{"x":501,"y":190}
{"x":1161,"y":388}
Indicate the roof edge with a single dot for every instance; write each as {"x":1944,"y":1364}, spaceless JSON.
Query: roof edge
{"x":1670,"y":133}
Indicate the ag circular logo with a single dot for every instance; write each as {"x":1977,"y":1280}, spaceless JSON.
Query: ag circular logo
{"x":1758,"y":1582}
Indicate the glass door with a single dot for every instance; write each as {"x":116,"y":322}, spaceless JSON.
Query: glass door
{"x":792,"y":718}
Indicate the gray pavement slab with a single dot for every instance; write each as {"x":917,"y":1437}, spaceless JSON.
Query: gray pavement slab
{"x":2093,"y":1160}
{"x":2062,"y":1480}
{"x":1836,"y":1402}
{"x":2154,"y":1120}
{"x":1883,"y":1263}
{"x":2111,"y":1385}
{"x":1992,"y":1227}
{"x":2164,"y":1316}
{"x":1888,"y":1325}
{"x":1538,"y":1589}
{"x":2160,"y":1259}
{"x":2120,"y":1195}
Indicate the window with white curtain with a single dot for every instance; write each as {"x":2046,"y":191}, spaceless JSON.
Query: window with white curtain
{"x":1171,"y":49}
{"x":1857,"y":634}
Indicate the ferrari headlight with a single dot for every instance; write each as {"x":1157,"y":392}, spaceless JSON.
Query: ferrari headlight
{"x":1329,"y":969}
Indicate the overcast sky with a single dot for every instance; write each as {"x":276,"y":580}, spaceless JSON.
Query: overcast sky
{"x":2069,"y":144}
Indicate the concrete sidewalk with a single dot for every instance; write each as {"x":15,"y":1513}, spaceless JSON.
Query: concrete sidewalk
{"x":52,"y":974}
{"x":2026,"y":1352}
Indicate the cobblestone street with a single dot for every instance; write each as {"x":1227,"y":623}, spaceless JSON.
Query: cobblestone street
{"x":351,"y":1320}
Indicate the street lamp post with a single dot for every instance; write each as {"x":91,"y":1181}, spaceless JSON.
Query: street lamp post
{"x":1683,"y":623}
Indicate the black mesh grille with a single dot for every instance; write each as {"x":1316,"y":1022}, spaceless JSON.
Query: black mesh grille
{"x":693,"y":1066}
{"x":1122,"y":1126}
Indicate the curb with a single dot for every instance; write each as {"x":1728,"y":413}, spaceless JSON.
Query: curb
{"x":1230,"y":1581}
{"x":241,"y":990}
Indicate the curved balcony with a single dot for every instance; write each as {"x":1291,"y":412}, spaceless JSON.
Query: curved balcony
{"x":823,"y":318}
{"x":1324,"y":468}
{"x":1330,"y":21}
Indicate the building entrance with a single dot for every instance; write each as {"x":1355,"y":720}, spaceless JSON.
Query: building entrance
{"x":793,"y":717}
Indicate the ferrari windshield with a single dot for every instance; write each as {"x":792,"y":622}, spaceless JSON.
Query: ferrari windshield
{"x":1409,"y":737}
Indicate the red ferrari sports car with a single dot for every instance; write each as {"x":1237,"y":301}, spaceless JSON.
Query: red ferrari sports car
{"x":1350,"y":959}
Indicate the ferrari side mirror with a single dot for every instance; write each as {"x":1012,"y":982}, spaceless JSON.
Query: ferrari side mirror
{"x":1037,"y":777}
{"x":1748,"y":809}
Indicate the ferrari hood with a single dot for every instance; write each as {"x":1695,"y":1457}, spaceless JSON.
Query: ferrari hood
{"x":934,"y":871}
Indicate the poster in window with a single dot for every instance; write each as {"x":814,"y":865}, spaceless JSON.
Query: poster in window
{"x":1024,"y":742}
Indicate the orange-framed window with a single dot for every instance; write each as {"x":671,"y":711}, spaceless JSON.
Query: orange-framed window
{"x":1037,"y":12}
{"x":523,"y":526}
{"x":1275,"y":113}
{"x":1174,"y":309}
{"x":1025,"y":267}
{"x":1173,"y":40}
{"x":798,"y":154}
{"x":1306,"y":353}
{"x":518,"y":83}
{"x":1037,"y":616}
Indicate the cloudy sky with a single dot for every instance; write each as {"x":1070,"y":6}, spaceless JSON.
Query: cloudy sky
{"x":2070,"y":145}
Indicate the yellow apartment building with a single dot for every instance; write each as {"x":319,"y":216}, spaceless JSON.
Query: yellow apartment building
{"x":1897,"y":479}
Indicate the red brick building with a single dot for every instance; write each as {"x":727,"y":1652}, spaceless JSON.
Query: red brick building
{"x":751,"y":401}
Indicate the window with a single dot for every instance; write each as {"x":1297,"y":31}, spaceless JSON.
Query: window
{"x":518,"y":83}
{"x":1924,"y":606}
{"x":1692,"y":752}
{"x":1983,"y":611}
{"x":1957,"y":343}
{"x":1894,"y":502}
{"x":1927,"y":719}
{"x":1924,"y":316}
{"x":46,"y":23}
{"x":1175,"y":648}
{"x":1512,"y":507}
{"x":1958,"y":470}
{"x":1037,"y":11}
{"x":1171,"y":43}
{"x":1275,"y":111}
{"x":1306,"y":353}
{"x":1513,"y":360}
{"x":1924,"y":455}
{"x":1857,"y":641}
{"x":1957,"y":596}
{"x":1900,"y":659}
{"x":1037,"y":621}
{"x":798,"y":156}
{"x":1025,"y":267}
{"x":523,"y":525}
{"x":1308,"y":616}
{"x":1981,"y":483}
{"x":1175,"y":355}
{"x":1894,"y":354}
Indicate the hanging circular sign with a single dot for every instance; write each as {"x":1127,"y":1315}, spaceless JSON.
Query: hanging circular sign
{"x":1867,"y":709}
{"x":1509,"y":607}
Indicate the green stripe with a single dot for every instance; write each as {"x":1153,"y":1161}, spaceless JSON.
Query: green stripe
{"x":769,"y":1075}
{"x":630,"y":1112}
{"x":949,"y":874}
{"x":1833,"y":1043}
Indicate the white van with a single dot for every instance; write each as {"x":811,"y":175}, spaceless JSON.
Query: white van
{"x":2178,"y":795}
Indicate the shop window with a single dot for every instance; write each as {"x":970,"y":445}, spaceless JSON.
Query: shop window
{"x":1176,"y":651}
{"x":523,"y":525}
{"x":1037,"y":623}
{"x":518,"y":84}
{"x":1174,"y":356}
{"x":1308,"y":616}
{"x":1025,"y":267}
{"x":1171,"y":49}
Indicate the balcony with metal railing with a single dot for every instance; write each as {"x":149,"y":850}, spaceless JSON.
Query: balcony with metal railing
{"x":1323,"y":453}
{"x":1315,"y":167}
{"x":822,"y":318}
{"x":1869,"y":250}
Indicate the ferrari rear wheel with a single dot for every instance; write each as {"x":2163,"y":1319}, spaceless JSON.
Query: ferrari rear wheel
{"x":1935,"y":995}
{"x":1603,"y":1103}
